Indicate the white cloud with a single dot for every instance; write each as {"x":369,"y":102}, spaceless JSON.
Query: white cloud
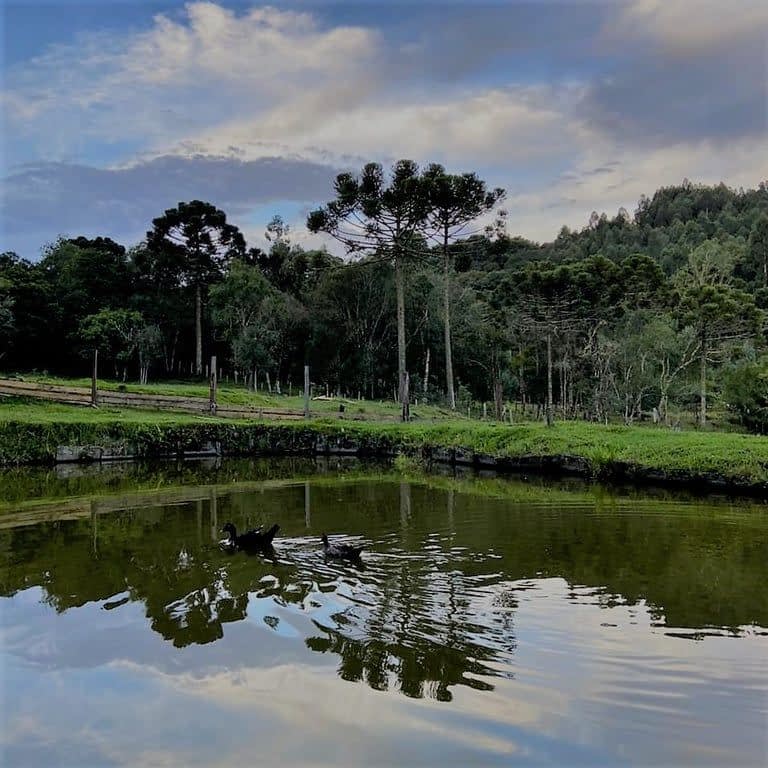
{"x":267,"y":83}
{"x":162,"y":85}
{"x":264,"y":48}
{"x":605,"y":175}
{"x":690,"y":26}
{"x":499,"y":126}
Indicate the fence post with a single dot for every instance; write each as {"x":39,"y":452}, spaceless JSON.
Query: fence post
{"x":212,"y":387}
{"x":94,"y":374}
{"x":306,"y":391}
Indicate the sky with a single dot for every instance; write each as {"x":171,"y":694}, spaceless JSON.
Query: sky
{"x":114,"y":111}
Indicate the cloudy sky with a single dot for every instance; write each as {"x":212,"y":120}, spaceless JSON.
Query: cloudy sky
{"x":114,"y":111}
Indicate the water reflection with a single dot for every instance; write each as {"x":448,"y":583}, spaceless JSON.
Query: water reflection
{"x":461,"y":594}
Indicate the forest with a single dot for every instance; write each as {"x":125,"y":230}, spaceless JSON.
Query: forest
{"x":653,"y":315}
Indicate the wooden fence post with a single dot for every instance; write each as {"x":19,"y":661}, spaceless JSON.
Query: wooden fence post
{"x":306,"y":391}
{"x":212,"y":387}
{"x":94,"y":374}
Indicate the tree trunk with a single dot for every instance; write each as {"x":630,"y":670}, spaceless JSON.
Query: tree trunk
{"x":400,"y":292}
{"x":401,"y":366}
{"x":561,"y":393}
{"x":703,"y":381}
{"x":549,"y":378}
{"x":405,"y":399}
{"x":498,"y":398}
{"x":447,"y":325}
{"x":426,"y":372}
{"x":198,"y":330}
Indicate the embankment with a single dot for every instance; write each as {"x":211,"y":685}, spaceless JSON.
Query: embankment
{"x":700,"y":460}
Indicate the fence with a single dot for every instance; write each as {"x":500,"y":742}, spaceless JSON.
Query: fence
{"x":181,"y":404}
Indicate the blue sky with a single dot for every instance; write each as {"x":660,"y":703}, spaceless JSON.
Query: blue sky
{"x":113,"y":112}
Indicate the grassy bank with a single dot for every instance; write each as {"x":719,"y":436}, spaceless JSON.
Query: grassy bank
{"x":30,"y":433}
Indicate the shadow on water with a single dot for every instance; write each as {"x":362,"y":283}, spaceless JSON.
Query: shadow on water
{"x":433,"y":605}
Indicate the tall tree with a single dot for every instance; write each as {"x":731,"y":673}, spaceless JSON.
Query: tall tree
{"x":239,"y":304}
{"x":120,"y":334}
{"x":352,"y":325}
{"x":27,"y":312}
{"x":757,"y":247}
{"x":371,"y":213}
{"x":83,"y":276}
{"x":6,"y":317}
{"x":257,"y":320}
{"x":719,"y":312}
{"x":546,"y":306}
{"x":196,"y":237}
{"x":455,"y":201}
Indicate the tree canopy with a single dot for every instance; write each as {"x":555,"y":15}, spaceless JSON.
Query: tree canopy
{"x":649,"y":314}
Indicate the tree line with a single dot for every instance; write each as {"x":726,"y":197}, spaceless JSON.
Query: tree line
{"x":636,"y":316}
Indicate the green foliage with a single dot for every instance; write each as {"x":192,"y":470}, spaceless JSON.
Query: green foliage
{"x":745,"y":393}
{"x":31,"y":434}
{"x":7,"y":324}
{"x":197,"y":239}
{"x":115,"y":332}
{"x":192,"y":245}
{"x":630,"y":303}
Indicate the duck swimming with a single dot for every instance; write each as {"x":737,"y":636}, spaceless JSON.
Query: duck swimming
{"x":342,"y":551}
{"x":255,"y":539}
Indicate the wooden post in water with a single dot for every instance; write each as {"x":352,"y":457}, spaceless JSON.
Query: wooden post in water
{"x":94,"y":526}
{"x":306,"y":391}
{"x":94,"y":374}
{"x":405,"y":503}
{"x":214,"y":510}
{"x":212,"y":387}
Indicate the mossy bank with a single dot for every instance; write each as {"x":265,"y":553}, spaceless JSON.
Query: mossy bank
{"x":706,"y":460}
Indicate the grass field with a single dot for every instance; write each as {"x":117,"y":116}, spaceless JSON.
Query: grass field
{"x":230,"y":394}
{"x":730,"y":455}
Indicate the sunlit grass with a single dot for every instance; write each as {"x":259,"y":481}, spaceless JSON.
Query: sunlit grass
{"x":731,"y":455}
{"x":228,"y":393}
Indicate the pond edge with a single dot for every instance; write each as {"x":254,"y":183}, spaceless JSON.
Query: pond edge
{"x":63,"y":442}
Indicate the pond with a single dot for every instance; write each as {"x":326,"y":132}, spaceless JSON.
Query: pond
{"x":490,"y":621}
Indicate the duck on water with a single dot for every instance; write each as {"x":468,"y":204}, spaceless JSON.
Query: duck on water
{"x":341,"y":551}
{"x":250,"y":540}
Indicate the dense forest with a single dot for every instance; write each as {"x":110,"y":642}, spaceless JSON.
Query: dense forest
{"x":640,"y":316}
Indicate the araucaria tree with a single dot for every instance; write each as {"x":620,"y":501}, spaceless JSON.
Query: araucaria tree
{"x":196,"y":242}
{"x":375,"y":215}
{"x":455,"y":201}
{"x":719,"y":313}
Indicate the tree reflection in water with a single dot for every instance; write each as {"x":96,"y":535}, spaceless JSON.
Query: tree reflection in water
{"x":433,"y":607}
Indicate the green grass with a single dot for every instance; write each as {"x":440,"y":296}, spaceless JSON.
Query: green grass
{"x":230,"y":394}
{"x":728,"y":454}
{"x":43,"y":412}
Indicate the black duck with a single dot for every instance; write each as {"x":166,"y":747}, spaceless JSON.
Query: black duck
{"x":341,"y":551}
{"x":255,"y":539}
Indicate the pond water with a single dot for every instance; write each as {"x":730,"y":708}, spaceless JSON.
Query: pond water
{"x":492,"y":621}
